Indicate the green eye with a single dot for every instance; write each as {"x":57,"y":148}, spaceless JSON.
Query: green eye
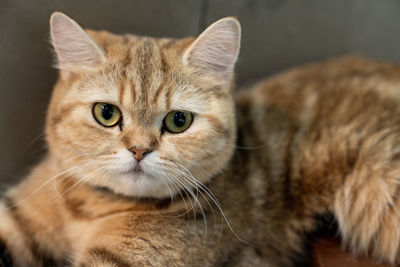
{"x":106,"y":114}
{"x":177,"y":121}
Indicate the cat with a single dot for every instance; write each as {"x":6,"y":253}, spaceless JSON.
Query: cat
{"x":155,"y":160}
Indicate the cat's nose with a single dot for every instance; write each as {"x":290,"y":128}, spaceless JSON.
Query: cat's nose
{"x":138,"y":152}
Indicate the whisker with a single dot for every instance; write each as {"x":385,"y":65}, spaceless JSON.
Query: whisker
{"x":165,"y":181}
{"x":34,"y":140}
{"x":77,"y":156}
{"x":45,"y":183}
{"x":196,"y":185}
{"x":98,"y":161}
{"x":87,"y":164}
{"x":79,"y":182}
{"x":178,"y":189}
{"x":188,"y":192}
{"x":213,"y":198}
{"x":194,"y":198}
{"x":204,"y":189}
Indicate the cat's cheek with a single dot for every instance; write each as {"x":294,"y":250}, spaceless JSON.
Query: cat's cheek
{"x":151,"y":163}
{"x":122,"y":161}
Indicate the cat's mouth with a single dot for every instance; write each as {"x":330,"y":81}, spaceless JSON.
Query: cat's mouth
{"x":135,"y":171}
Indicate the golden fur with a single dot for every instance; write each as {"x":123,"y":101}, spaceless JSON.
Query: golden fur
{"x":236,"y":189}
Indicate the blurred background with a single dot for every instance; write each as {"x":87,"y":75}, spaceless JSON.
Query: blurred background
{"x":277,"y":34}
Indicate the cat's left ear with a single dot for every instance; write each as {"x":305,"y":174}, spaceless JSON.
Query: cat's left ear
{"x":216,"y":50}
{"x":74,"y":48}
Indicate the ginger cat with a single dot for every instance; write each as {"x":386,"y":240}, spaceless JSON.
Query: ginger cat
{"x":154,"y":160}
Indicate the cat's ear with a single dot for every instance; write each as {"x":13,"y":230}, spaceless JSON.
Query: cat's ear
{"x":216,"y":50}
{"x":74,"y":48}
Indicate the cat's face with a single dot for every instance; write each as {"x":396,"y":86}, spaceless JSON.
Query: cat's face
{"x":140,"y":116}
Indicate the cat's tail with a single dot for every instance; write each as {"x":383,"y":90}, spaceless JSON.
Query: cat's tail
{"x":353,"y":173}
{"x":366,"y":202}
{"x":367,"y":209}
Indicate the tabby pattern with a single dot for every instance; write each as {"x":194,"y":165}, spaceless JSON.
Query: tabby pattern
{"x":242,"y":186}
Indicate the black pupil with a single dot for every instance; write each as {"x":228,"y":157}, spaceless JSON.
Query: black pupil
{"x":179,"y":119}
{"x":107,"y":111}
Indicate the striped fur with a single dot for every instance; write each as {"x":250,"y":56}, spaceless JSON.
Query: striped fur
{"x":319,"y":139}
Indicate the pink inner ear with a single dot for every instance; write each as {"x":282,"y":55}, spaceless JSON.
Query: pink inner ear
{"x":217,"y":48}
{"x":74,"y":48}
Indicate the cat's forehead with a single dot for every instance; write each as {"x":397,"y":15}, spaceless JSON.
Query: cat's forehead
{"x":139,"y":51}
{"x":147,"y":73}
{"x":142,"y":71}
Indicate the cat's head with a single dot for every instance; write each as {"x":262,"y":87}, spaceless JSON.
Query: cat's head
{"x":142,"y":116}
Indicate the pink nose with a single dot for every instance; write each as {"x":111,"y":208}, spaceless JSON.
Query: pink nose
{"x":139,"y":153}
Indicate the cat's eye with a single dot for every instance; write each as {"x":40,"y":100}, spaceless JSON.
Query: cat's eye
{"x":177,"y":121}
{"x":106,"y":114}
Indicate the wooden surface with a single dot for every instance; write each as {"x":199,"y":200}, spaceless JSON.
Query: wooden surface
{"x":328,"y":253}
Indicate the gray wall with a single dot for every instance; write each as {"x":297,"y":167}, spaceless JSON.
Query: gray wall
{"x":276,"y":34}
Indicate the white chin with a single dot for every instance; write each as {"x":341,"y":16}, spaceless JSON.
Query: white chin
{"x":140,"y":185}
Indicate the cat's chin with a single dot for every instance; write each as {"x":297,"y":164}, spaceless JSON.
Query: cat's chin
{"x":136,"y":173}
{"x":136,"y":183}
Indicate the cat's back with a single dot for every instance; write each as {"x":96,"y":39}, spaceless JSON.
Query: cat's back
{"x":325,"y":138}
{"x":323,"y":120}
{"x":344,"y":91}
{"x":342,"y":78}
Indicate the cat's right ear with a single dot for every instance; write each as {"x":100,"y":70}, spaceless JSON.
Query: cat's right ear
{"x":215,"y":51}
{"x":74,"y":49}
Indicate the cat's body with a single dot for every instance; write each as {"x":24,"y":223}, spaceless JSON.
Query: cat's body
{"x":319,"y":139}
